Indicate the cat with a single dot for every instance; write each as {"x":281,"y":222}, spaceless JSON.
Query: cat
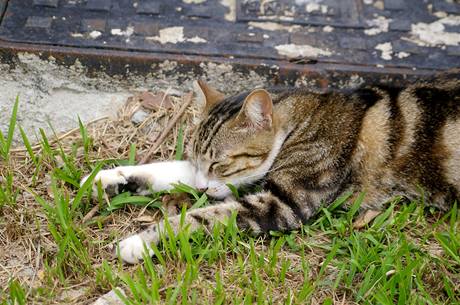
{"x":305,"y":149}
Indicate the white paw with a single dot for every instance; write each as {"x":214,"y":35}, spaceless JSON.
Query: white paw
{"x":131,"y":249}
{"x":109,"y":179}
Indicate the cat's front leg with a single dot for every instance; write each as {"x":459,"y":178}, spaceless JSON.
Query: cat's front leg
{"x":142,"y":179}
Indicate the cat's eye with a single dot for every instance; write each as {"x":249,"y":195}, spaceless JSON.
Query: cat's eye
{"x":212,"y":166}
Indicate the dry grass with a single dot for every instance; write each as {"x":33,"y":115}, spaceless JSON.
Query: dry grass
{"x":407,"y":255}
{"x":26,"y":243}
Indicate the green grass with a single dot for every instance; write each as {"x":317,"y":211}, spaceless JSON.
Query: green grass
{"x":407,"y":255}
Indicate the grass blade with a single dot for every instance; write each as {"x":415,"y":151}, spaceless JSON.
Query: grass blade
{"x":6,"y":143}
{"x":180,"y":143}
{"x":132,"y":154}
{"x":28,"y":146}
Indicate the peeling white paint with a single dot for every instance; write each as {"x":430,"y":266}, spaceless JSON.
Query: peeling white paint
{"x":378,"y":25}
{"x":193,"y":1}
{"x":174,"y":35}
{"x":379,"y":5}
{"x":76,"y":35}
{"x":440,"y":14}
{"x":432,"y":34}
{"x":313,"y":7}
{"x":95,"y":34}
{"x":387,"y":50}
{"x":294,"y":50}
{"x":231,"y":5}
{"x":368,"y":2}
{"x":273,"y":26}
{"x":402,"y":54}
{"x":303,"y":2}
{"x":282,"y":18}
{"x":429,"y":7}
{"x":328,"y":29}
{"x":197,"y":39}
{"x":118,"y":32}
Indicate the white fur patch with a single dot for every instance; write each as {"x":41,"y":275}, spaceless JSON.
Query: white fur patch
{"x":131,"y":249}
{"x":106,"y":178}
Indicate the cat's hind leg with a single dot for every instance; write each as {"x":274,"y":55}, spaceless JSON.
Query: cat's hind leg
{"x":258,"y":213}
{"x":131,"y":249}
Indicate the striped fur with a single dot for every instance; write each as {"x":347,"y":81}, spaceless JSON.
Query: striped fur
{"x":382,"y":141}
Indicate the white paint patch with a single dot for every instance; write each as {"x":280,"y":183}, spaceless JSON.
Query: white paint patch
{"x":231,"y":5}
{"x":174,"y":35}
{"x":402,"y":54}
{"x":386,"y":49}
{"x":95,"y":34}
{"x":379,"y":5}
{"x":282,"y":18}
{"x":273,"y":26}
{"x":118,"y":32}
{"x":303,"y":2}
{"x":197,"y":39}
{"x":294,"y":50}
{"x":76,"y":35}
{"x":328,"y":29}
{"x":432,"y":34}
{"x":440,"y":14}
{"x":368,"y":2}
{"x":311,"y":7}
{"x":378,"y":25}
{"x":314,"y":7}
{"x":193,"y":1}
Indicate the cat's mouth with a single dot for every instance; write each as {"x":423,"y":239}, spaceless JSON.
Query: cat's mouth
{"x":218,"y":190}
{"x":213,"y":188}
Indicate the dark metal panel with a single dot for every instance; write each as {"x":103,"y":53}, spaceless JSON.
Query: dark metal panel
{"x":345,"y":33}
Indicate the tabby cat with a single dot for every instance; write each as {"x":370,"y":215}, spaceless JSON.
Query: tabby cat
{"x":305,"y":149}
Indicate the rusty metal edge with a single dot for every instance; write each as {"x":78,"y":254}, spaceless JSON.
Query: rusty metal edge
{"x":116,"y":62}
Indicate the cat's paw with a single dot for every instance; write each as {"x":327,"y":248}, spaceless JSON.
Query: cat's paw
{"x":111,"y":180}
{"x":132,"y":249}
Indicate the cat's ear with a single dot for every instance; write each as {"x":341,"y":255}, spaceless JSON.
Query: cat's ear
{"x":207,"y":96}
{"x":257,"y":110}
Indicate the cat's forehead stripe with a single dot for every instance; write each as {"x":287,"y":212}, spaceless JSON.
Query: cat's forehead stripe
{"x":218,"y":115}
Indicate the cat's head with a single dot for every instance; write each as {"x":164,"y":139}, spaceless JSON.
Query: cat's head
{"x":233,"y":143}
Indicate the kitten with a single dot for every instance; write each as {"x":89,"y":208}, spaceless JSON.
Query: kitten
{"x":305,"y":149}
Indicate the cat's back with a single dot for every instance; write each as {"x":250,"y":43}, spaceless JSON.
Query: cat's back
{"x":411,"y":139}
{"x":432,"y":112}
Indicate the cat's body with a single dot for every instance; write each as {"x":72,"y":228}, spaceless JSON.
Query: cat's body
{"x":306,"y":149}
